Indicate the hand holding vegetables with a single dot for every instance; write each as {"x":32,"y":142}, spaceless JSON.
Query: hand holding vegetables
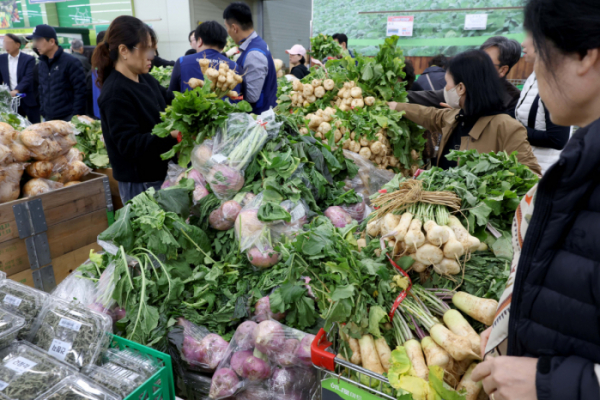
{"x":508,"y":377}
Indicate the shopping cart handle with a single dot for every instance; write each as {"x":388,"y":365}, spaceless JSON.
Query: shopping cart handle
{"x":21,"y":95}
{"x":318,"y":353}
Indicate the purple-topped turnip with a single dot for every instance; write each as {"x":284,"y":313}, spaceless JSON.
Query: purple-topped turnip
{"x":338,"y":217}
{"x":255,"y":369}
{"x":270,"y":337}
{"x":245,"y":335}
{"x":237,"y":360}
{"x":303,"y":351}
{"x":224,"y":384}
{"x":286,"y":357}
{"x":263,"y":259}
{"x":262,"y":311}
{"x":215,"y":348}
{"x":224,"y":180}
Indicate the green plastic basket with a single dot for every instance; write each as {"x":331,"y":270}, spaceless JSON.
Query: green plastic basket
{"x":161,"y":386}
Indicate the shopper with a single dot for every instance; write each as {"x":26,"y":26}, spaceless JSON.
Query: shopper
{"x":434,"y":77}
{"x":92,"y":89}
{"x":475,"y":119}
{"x":193,"y":43}
{"x":342,"y":39}
{"x":16,"y":71}
{"x":130,"y":106}
{"x":546,"y":138}
{"x":297,"y":61}
{"x":211,"y":38}
{"x":409,"y":74}
{"x":61,"y":76}
{"x":505,"y":53}
{"x":77,"y":52}
{"x":259,"y":87}
{"x":547,"y":326}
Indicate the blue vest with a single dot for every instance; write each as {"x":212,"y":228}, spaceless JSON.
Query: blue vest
{"x":190,"y":68}
{"x":268,"y":96}
{"x":95,"y":93}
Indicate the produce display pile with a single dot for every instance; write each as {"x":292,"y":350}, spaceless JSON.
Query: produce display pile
{"x":271,"y":227}
{"x":162,"y":75}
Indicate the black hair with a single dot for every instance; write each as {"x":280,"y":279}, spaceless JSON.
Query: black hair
{"x":14,"y":38}
{"x":100,"y":37}
{"x":509,"y":49}
{"x":341,"y":38}
{"x":303,"y":60}
{"x":483,"y":88}
{"x":409,"y":70}
{"x":192,"y":33}
{"x":439,"y":61}
{"x":212,"y":34}
{"x":239,"y":13}
{"x":569,"y":27}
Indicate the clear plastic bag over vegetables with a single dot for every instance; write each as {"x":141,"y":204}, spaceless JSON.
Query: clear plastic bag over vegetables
{"x":22,"y":300}
{"x":369,"y":178}
{"x":266,"y":358}
{"x":26,"y":372}
{"x":299,"y":213}
{"x":48,"y":140}
{"x":77,"y":387}
{"x":223,"y":160}
{"x":201,"y":350}
{"x":115,"y":378}
{"x":35,"y":187}
{"x":10,"y":181}
{"x":63,"y":169}
{"x":175,"y":174}
{"x":9,"y":137}
{"x":10,"y":326}
{"x":71,"y":333}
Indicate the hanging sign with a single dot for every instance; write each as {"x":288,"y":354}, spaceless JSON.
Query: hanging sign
{"x":400,"y":26}
{"x":476,"y":22}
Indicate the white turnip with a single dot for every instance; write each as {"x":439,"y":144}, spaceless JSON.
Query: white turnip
{"x":447,"y":267}
{"x":436,"y":235}
{"x":414,"y":237}
{"x":473,"y":388}
{"x":428,"y":254}
{"x":374,"y":227}
{"x":417,"y":266}
{"x":369,"y":101}
{"x":319,"y":92}
{"x":365,"y":152}
{"x":384,"y":352}
{"x":328,"y":84}
{"x":369,"y":356}
{"x":403,"y":225}
{"x":263,"y":259}
{"x":338,"y":217}
{"x":434,"y":354}
{"x":482,"y":310}
{"x":244,"y":335}
{"x":390,"y":222}
{"x":224,"y":384}
{"x":453,"y":249}
{"x":457,"y":346}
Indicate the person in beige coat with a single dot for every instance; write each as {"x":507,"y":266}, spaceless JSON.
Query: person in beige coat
{"x":474,"y":119}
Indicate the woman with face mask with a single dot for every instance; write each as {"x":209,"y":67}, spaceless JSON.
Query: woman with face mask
{"x":475,"y":119}
{"x":130,"y":106}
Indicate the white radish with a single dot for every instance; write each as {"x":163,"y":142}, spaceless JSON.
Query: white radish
{"x":453,"y":249}
{"x":390,"y":221}
{"x":482,"y":310}
{"x":369,"y":356}
{"x":361,"y":243}
{"x":328,"y":84}
{"x":373,"y":227}
{"x":356,"y":357}
{"x":417,"y":266}
{"x":458,"y":347}
{"x":429,"y":254}
{"x":417,"y":361}
{"x":403,"y":226}
{"x":384,"y":352}
{"x":473,"y":388}
{"x":414,"y":237}
{"x":369,"y":101}
{"x":459,"y":325}
{"x":436,"y":235}
{"x":356,"y":92}
{"x":434,"y":354}
{"x":469,"y":242}
{"x":447,"y":267}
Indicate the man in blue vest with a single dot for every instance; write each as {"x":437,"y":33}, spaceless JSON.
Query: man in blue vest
{"x":211,"y":39}
{"x":259,"y":87}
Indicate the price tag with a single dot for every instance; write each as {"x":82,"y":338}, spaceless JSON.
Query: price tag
{"x":59,"y":349}
{"x":20,"y":364}
{"x":218,"y":158}
{"x":3,"y":385}
{"x":12,"y":300}
{"x":70,"y":324}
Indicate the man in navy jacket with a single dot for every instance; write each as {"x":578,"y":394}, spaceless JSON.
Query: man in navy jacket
{"x":62,"y":80}
{"x":16,"y":70}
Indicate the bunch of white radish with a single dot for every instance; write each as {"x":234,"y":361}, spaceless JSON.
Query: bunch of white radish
{"x":303,"y":95}
{"x":350,"y":97}
{"x":428,"y":244}
{"x":378,"y":151}
{"x":368,"y":352}
{"x":222,"y":79}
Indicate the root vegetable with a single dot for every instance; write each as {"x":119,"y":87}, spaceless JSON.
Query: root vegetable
{"x":369,"y":356}
{"x":369,"y":101}
{"x":255,"y":369}
{"x":311,"y":99}
{"x":453,"y":249}
{"x":458,"y":347}
{"x":244,"y":335}
{"x":417,"y":265}
{"x":482,"y":310}
{"x":469,"y":242}
{"x":306,"y":104}
{"x":392,"y":162}
{"x":307,"y":90}
{"x":40,"y":169}
{"x":428,"y":254}
{"x":344,"y":107}
{"x":434,"y":354}
{"x":233,"y":94}
{"x":356,"y":92}
{"x":414,"y":237}
{"x":459,"y":325}
{"x":403,"y":225}
{"x":270,"y":337}
{"x":263,"y":259}
{"x":436,"y":235}
{"x":337,"y":135}
{"x":355,"y":347}
{"x":325,"y":127}
{"x":319,"y":135}
{"x":415,"y":354}
{"x":361,"y":243}
{"x":384,"y":352}
{"x":194,"y":83}
{"x":365,"y":152}
{"x":302,"y":352}
{"x":357,"y":103}
{"x":316,"y":83}
{"x":346,"y":94}
{"x":319,"y":92}
{"x":224,"y":384}
{"x":390,"y":222}
{"x":354,"y":146}
{"x":473,"y":388}
{"x":482,"y":247}
{"x":374,"y":227}
{"x":376,"y":147}
{"x":328,"y":84}
{"x":447,"y":267}
{"x":237,"y":361}
{"x":346,"y":145}
{"x":224,"y":180}
{"x":303,"y":131}
{"x":338,"y":216}
{"x":377,"y":159}
{"x":297,"y":86}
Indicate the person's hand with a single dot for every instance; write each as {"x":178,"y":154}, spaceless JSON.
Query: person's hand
{"x":175,"y":134}
{"x":485,"y":336}
{"x":445,"y":105}
{"x":392,"y":105}
{"x":508,"y":378}
{"x":14,"y":93}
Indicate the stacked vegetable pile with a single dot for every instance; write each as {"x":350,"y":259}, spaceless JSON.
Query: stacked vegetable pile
{"x":162,"y":75}
{"x":90,"y":142}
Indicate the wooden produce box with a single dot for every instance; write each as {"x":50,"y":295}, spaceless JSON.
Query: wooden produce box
{"x":114,"y":187}
{"x":42,"y":237}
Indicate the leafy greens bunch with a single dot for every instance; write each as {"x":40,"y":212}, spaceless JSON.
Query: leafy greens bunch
{"x":162,"y":75}
{"x":322,"y":46}
{"x":91,"y":143}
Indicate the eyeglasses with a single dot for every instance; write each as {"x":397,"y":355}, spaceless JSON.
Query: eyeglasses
{"x":149,"y":53}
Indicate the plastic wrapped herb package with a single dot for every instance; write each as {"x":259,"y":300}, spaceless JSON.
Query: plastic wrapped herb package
{"x":71,"y":332}
{"x":10,"y":325}
{"x":26,"y":372}
{"x":115,"y":378}
{"x":134,"y":361}
{"x":22,"y":300}
{"x":78,"y":387}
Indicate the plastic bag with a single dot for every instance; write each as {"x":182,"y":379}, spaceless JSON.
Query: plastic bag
{"x":78,"y":387}
{"x":48,"y":140}
{"x":134,"y":361}
{"x":10,"y":181}
{"x":71,"y":333}
{"x":224,"y":159}
{"x":249,"y":230}
{"x":115,"y":378}
{"x":369,"y":178}
{"x":9,"y":137}
{"x":195,"y":386}
{"x":266,"y":359}
{"x":63,"y":169}
{"x":26,"y":372}
{"x":10,"y":326}
{"x":35,"y":187}
{"x":175,"y":174}
{"x":201,"y":350}
{"x":300,"y":214}
{"x":358,"y":211}
{"x":22,"y":300}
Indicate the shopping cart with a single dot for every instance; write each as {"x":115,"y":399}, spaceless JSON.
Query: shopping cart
{"x":16,"y":102}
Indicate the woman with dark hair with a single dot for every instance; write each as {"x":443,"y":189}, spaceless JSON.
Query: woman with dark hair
{"x":130,"y":106}
{"x":475,"y":119}
{"x":297,"y":61}
{"x":546,"y":334}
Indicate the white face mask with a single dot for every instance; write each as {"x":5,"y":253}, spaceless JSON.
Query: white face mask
{"x":452,"y":98}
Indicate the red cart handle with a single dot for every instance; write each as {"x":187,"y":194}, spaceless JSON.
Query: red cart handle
{"x":318,"y":353}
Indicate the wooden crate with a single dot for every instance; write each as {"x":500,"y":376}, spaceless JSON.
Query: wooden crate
{"x":36,"y":232}
{"x":114,"y":187}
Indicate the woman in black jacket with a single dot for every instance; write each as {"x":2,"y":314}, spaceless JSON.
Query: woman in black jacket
{"x":547,"y":327}
{"x":130,"y":106}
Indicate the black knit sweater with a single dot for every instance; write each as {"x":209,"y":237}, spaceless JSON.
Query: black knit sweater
{"x":129,"y":110}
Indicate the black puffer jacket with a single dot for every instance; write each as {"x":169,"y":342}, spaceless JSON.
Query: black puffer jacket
{"x":555,"y":309}
{"x":62,"y":86}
